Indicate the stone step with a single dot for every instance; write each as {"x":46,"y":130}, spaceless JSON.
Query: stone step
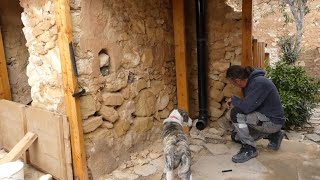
{"x":317,"y":129}
{"x":313,"y":137}
{"x":316,"y":114}
{"x":314,"y":121}
{"x":292,"y":135}
{"x":316,"y":111}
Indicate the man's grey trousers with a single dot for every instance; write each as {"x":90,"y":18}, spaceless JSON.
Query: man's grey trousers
{"x":252,"y":127}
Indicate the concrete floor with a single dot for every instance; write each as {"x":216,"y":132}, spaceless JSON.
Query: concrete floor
{"x":294,"y":161}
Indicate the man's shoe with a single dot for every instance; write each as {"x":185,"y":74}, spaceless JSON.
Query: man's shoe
{"x":275,"y":140}
{"x":246,"y":153}
{"x":233,"y":138}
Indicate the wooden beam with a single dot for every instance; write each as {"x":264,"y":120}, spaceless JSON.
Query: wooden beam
{"x":262,"y":56}
{"x":246,"y":33}
{"x":180,"y":56}
{"x":4,"y":80}
{"x":266,"y":61}
{"x":255,"y":53}
{"x":20,"y":148}
{"x":62,"y":10}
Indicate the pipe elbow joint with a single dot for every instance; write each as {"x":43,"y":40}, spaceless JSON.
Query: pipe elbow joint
{"x":202,"y":121}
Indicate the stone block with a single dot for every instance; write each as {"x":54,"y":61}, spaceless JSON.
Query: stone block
{"x":216,"y":94}
{"x":130,"y":60}
{"x":36,"y":32}
{"x":156,"y":86}
{"x":164,"y":113}
{"x":162,"y":101}
{"x":104,"y":60}
{"x":228,"y":91}
{"x":109,"y":114}
{"x":121,"y":127}
{"x":112,"y":99}
{"x":313,"y":137}
{"x":142,"y":124}
{"x":214,"y":104}
{"x":87,"y":106}
{"x":126,"y":110}
{"x":137,"y":86}
{"x":218,"y":85}
{"x":116,"y":81}
{"x":107,"y":124}
{"x":145,"y":103}
{"x":92,"y":123}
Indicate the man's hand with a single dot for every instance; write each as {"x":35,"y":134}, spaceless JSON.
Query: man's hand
{"x":229,"y":104}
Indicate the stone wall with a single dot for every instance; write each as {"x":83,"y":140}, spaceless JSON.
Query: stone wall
{"x":44,"y":68}
{"x":269,"y":26}
{"x":125,"y":59}
{"x":15,"y":50}
{"x":223,"y":29}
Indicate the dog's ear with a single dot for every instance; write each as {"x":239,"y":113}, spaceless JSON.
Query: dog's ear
{"x":184,"y":115}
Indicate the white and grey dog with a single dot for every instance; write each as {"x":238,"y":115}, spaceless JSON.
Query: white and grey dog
{"x":176,"y":145}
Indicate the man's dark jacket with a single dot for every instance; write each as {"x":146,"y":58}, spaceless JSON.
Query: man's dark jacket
{"x":261,"y":95}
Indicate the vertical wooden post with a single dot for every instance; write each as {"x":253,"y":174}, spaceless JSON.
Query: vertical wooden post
{"x":180,"y":55}
{"x":255,"y":53}
{"x":262,"y":58}
{"x":246,"y":33}
{"x":266,"y":60}
{"x":4,"y":79}
{"x":259,"y":54}
{"x":62,"y":10}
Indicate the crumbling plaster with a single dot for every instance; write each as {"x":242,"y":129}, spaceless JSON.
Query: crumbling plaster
{"x":125,"y":59}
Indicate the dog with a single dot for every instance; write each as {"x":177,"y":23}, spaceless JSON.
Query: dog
{"x":176,"y":145}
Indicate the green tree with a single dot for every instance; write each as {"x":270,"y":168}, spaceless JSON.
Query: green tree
{"x":298,"y":9}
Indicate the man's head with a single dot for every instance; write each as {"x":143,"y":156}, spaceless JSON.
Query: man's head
{"x":238,"y":75}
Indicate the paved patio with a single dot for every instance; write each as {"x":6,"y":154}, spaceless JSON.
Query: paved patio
{"x":294,"y":161}
{"x":297,"y":159}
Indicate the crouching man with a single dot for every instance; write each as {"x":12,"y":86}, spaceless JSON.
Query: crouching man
{"x":258,"y":115}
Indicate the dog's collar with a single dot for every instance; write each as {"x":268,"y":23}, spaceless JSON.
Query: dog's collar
{"x":172,"y":119}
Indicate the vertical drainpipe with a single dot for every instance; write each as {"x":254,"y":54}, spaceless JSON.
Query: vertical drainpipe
{"x":202,"y":65}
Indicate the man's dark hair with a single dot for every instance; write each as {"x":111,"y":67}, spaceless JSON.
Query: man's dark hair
{"x":239,"y":72}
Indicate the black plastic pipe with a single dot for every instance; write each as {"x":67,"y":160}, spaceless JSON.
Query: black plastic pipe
{"x":202,"y":65}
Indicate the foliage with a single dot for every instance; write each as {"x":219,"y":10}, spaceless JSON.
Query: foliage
{"x":295,"y":4}
{"x":298,"y":10}
{"x":288,"y":52}
{"x":297,"y":90}
{"x":287,"y":18}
